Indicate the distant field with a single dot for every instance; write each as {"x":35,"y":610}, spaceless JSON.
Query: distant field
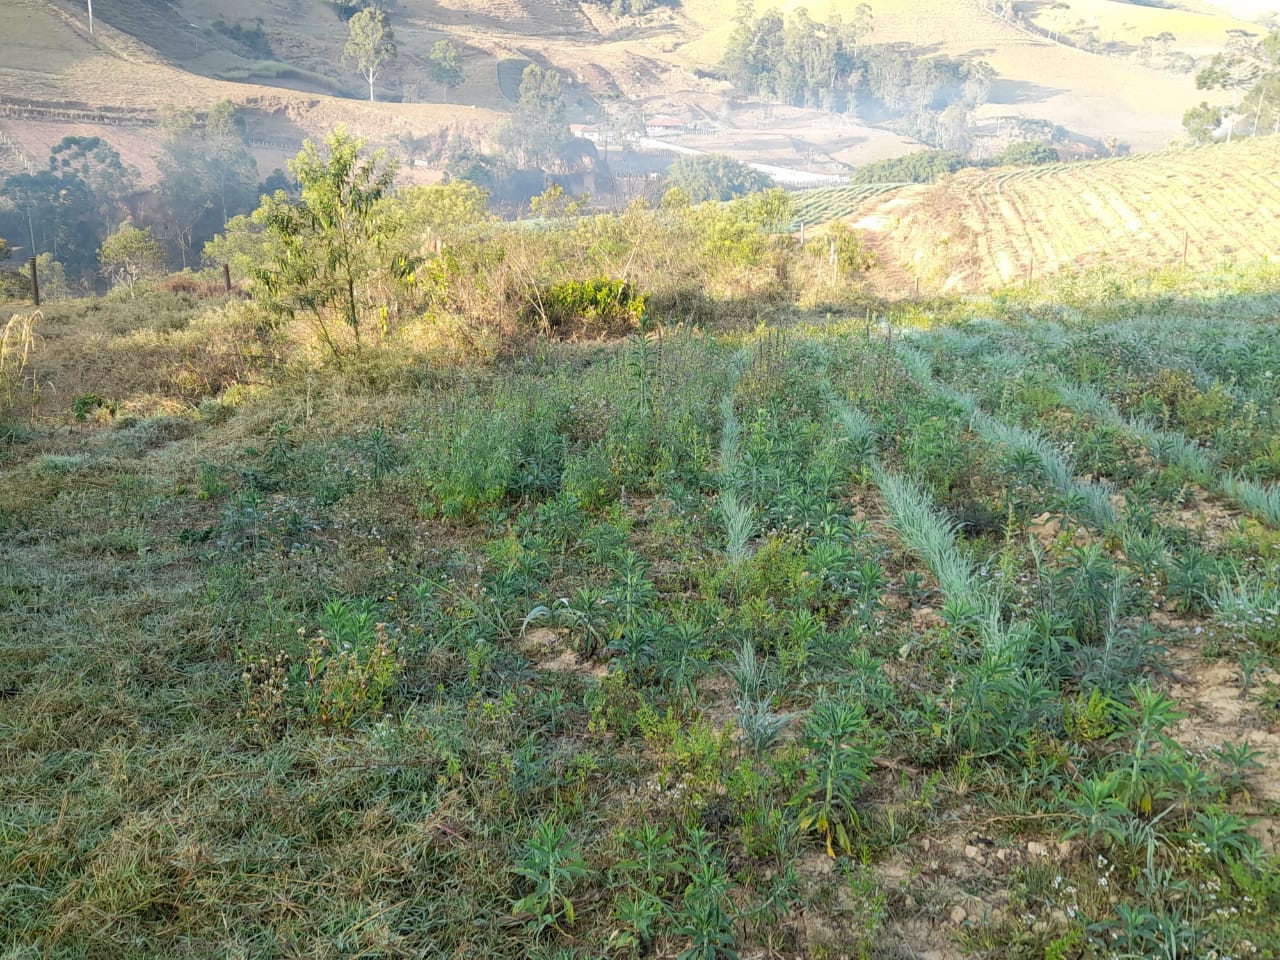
{"x":1100,"y":96}
{"x":831,"y":203}
{"x":984,"y":230}
{"x":1195,"y":31}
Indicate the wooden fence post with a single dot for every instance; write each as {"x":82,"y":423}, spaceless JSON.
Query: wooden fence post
{"x":35,"y":282}
{"x":226,"y":276}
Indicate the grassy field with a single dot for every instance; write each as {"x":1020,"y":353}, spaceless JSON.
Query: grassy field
{"x":948,"y":633}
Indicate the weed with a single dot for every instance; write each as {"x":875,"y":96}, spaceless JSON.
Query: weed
{"x":552,"y":863}
{"x":835,"y":734}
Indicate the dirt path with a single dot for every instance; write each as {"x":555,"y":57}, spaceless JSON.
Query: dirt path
{"x":1209,"y":692}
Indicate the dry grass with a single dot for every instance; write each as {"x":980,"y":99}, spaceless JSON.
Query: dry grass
{"x":1196,"y":31}
{"x":164,"y":353}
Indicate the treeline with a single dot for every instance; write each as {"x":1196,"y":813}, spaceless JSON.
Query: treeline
{"x":804,"y":62}
{"x":633,"y":8}
{"x":65,"y":213}
{"x":350,"y":262}
{"x":1249,"y":69}
{"x":926,"y":166}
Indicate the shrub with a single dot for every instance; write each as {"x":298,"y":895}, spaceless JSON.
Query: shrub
{"x":923,"y":166}
{"x":596,"y":305}
{"x":1028,"y":154}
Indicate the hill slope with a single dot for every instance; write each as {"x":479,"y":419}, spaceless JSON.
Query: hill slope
{"x":984,"y":229}
{"x":151,"y":52}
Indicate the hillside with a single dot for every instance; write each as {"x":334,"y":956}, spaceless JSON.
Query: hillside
{"x":767,"y":637}
{"x":1090,"y":94}
{"x":983,"y":229}
{"x":62,"y":81}
{"x":149,"y":53}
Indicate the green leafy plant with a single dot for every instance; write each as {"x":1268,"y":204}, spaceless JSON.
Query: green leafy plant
{"x":835,"y":736}
{"x":760,"y":726}
{"x":346,"y":681}
{"x":552,"y":863}
{"x":595,"y":306}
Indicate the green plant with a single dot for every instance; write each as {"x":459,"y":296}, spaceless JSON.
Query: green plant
{"x":88,"y":404}
{"x":348,"y":680}
{"x":327,"y":249}
{"x":739,"y":524}
{"x":681,"y":658}
{"x":1224,"y":834}
{"x":381,"y":453}
{"x":1238,"y":762}
{"x":702,"y":917}
{"x":1098,"y":811}
{"x":835,"y":736}
{"x":209,"y":483}
{"x":760,"y":726}
{"x":1090,"y":718}
{"x":130,"y":255}
{"x":596,"y":306}
{"x":1145,"y":725}
{"x":649,"y":862}
{"x":552,"y":863}
{"x":589,"y":614}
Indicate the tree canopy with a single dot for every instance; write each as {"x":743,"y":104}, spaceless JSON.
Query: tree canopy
{"x":715,"y":177}
{"x":800,"y":61}
{"x":327,"y":246}
{"x":370,"y":44}
{"x":537,"y":133}
{"x":207,"y":175}
{"x":130,"y":255}
{"x":446,"y":66}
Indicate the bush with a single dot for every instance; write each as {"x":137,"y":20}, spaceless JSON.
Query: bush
{"x":712,"y":177}
{"x":597,"y":305}
{"x":1028,"y":154}
{"x":923,"y":166}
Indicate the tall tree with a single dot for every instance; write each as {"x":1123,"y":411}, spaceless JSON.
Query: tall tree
{"x":538,"y":131}
{"x":1202,"y":122}
{"x":1231,"y":72}
{"x":370,"y":43}
{"x":233,"y":169}
{"x":98,"y":164}
{"x":446,"y":66}
{"x":207,"y":175}
{"x":58,"y":214}
{"x":863,"y":22}
{"x":1237,"y":69}
{"x":328,"y":246}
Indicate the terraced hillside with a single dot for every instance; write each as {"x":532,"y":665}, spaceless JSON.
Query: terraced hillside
{"x":980,"y":230}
